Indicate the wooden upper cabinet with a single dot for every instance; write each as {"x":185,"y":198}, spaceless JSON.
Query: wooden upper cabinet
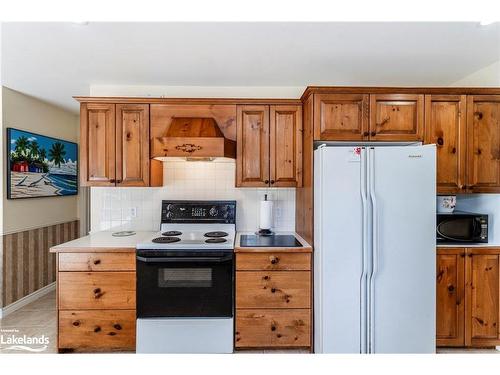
{"x":450,"y":297}
{"x":132,"y":144}
{"x":341,"y":117}
{"x":483,"y":143}
{"x":482,"y":298}
{"x":396,"y":117}
{"x":252,"y":133}
{"x":445,"y":118}
{"x":97,"y":149}
{"x":286,"y":146}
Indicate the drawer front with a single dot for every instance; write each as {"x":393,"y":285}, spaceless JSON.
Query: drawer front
{"x":273,"y":261}
{"x":97,"y":262}
{"x":97,"y":329}
{"x":285,"y":289}
{"x":273,"y":328}
{"x":96,"y":290}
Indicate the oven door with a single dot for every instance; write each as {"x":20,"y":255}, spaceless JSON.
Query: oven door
{"x":189,"y":284}
{"x":459,"y":229}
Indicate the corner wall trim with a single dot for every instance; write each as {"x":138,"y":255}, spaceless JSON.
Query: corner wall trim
{"x":27,"y":299}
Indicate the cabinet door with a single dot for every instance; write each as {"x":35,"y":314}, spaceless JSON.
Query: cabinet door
{"x":97,"y":149}
{"x":132,"y":144}
{"x":482,"y":299}
{"x":445,"y":126}
{"x":252,"y":157}
{"x":341,"y":117}
{"x":450,"y":297}
{"x":396,"y":117}
{"x":286,"y":146}
{"x":483,"y":143}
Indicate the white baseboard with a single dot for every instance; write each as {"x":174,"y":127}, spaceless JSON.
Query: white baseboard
{"x":26,"y":299}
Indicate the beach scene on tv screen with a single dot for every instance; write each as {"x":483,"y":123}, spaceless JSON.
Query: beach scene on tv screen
{"x":41,"y":166}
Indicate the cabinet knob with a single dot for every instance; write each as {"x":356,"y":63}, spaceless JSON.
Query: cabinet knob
{"x":366,"y":134}
{"x":112,"y":180}
{"x":373,"y":134}
{"x":118,"y":181}
{"x":272,"y":182}
{"x":266,"y":181}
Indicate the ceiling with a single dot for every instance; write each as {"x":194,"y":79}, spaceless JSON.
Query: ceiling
{"x":54,"y":61}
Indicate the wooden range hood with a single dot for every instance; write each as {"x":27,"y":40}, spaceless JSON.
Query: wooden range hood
{"x":193,"y":137}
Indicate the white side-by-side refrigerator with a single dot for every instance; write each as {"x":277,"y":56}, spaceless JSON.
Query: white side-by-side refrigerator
{"x":374,"y":249}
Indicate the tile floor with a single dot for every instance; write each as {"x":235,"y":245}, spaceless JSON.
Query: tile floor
{"x":33,"y":320}
{"x":39,"y":318}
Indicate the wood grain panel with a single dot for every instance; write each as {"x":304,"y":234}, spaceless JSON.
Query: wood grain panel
{"x":97,"y":144}
{"x":273,"y":328}
{"x":273,"y":289}
{"x":341,"y":117}
{"x":396,"y":117}
{"x":483,"y":144}
{"x":286,"y":146}
{"x":273,"y":262}
{"x":445,"y":119}
{"x":450,"y":297}
{"x":132,"y":145}
{"x":96,"y":290}
{"x":27,"y":263}
{"x":483,"y":294}
{"x":252,"y":156}
{"x":96,"y":261}
{"x":97,"y":329}
{"x":304,"y":214}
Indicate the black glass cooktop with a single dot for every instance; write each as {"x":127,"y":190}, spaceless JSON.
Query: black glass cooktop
{"x":276,"y":240}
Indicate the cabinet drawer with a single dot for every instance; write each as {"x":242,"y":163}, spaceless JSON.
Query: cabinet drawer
{"x":97,"y":329}
{"x":97,"y":262}
{"x":273,"y":328}
{"x":273,"y":261}
{"x":270,"y":289}
{"x":96,"y":290}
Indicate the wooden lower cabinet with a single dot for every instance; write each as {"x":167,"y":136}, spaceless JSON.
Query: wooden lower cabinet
{"x":273,"y":300}
{"x":97,"y":329}
{"x":273,"y":328}
{"x":450,"y":297}
{"x":468,"y":297}
{"x":96,"y":301}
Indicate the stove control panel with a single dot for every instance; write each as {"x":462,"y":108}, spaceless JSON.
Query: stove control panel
{"x":222,"y":212}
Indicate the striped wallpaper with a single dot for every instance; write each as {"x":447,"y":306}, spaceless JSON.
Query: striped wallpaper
{"x":27,"y":263}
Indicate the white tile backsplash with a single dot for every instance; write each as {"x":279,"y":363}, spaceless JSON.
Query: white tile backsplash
{"x":111,"y":207}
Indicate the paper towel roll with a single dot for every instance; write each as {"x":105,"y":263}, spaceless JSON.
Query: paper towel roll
{"x":266,"y":214}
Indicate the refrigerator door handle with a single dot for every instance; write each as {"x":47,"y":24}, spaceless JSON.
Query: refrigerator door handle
{"x":374,"y":247}
{"x":364,"y":249}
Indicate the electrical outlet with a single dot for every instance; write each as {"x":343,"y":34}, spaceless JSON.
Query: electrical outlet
{"x":133,"y":212}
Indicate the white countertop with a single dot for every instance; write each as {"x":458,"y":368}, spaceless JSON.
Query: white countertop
{"x":104,"y":240}
{"x":469,"y":245}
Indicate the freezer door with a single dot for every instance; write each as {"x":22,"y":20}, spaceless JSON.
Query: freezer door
{"x":338,"y":250}
{"x":402,"y":288}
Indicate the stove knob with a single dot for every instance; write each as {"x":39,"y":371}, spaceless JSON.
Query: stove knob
{"x":213,"y":211}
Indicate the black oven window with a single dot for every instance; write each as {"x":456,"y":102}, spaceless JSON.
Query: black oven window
{"x":458,"y":229}
{"x":185,"y":277}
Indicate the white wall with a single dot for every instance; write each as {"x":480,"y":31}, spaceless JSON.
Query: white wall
{"x":27,"y":113}
{"x":110,"y":207}
{"x":487,"y":76}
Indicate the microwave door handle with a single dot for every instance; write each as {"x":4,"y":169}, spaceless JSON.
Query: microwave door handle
{"x":184,"y":259}
{"x":476,"y":229}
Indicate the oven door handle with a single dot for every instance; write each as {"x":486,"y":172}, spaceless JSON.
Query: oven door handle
{"x":185,"y":259}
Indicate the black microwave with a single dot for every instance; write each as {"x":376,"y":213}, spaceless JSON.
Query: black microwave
{"x":464,"y":227}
